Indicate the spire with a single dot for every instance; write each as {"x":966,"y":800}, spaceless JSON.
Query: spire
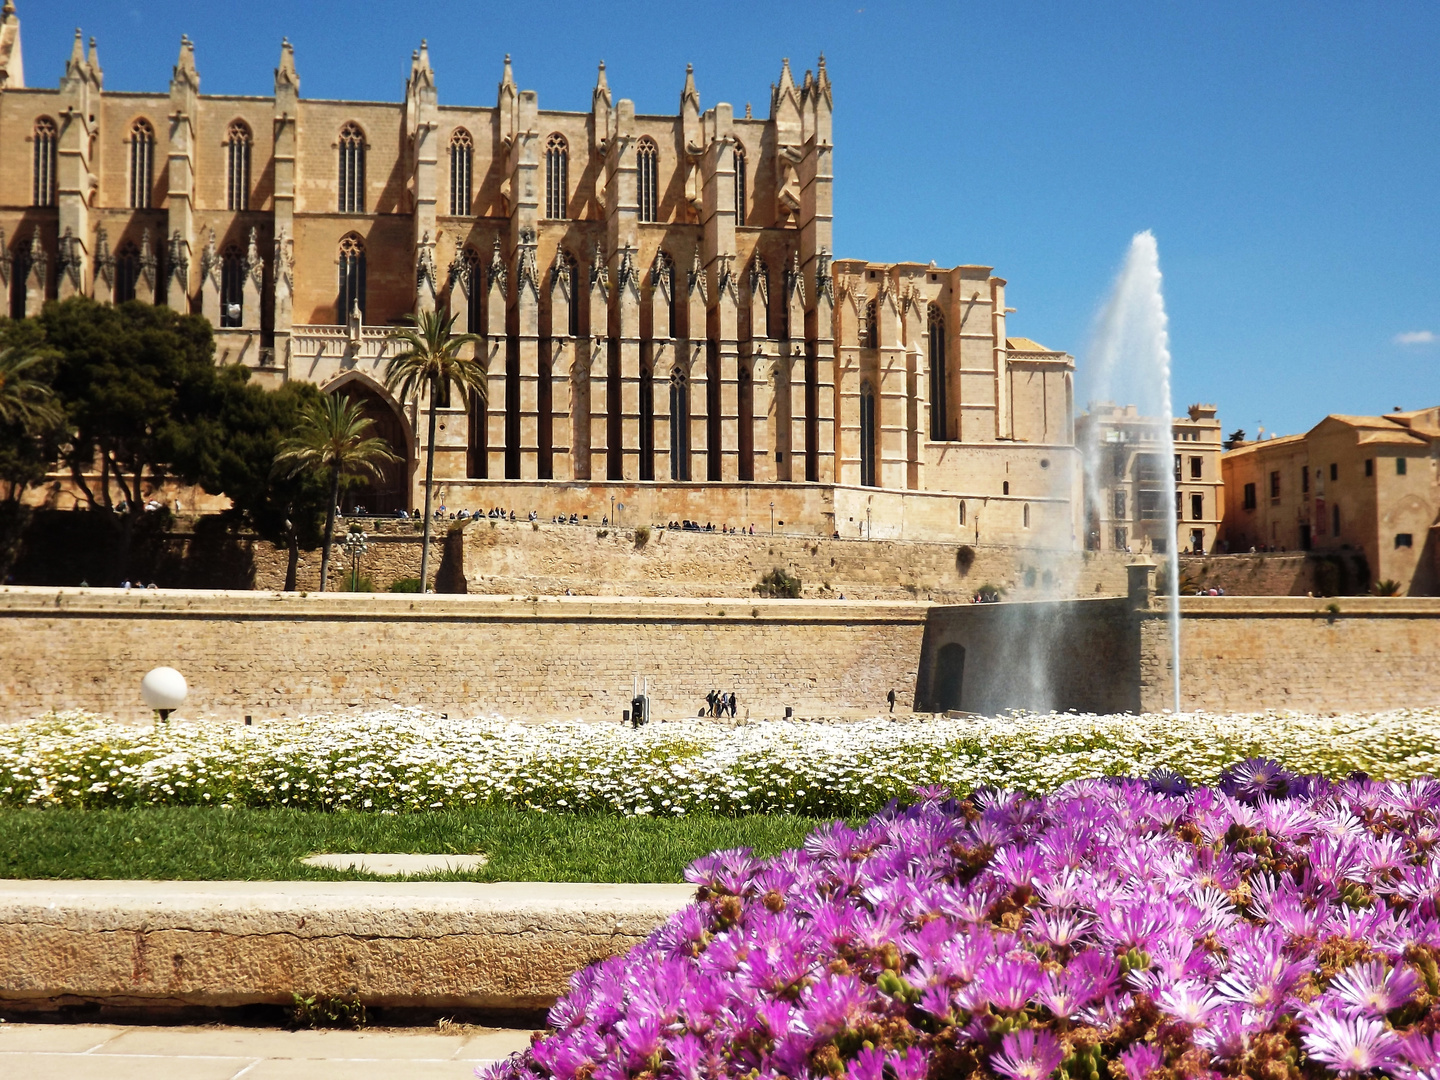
{"x":602,"y":88}
{"x":507,"y":78}
{"x":689,"y":95}
{"x":94,"y":62}
{"x":285,"y":75}
{"x":425,"y":69}
{"x":12,"y":65}
{"x":184,"y":66}
{"x":506,"y":101}
{"x":77,"y":53}
{"x":787,"y":83}
{"x":822,"y":81}
{"x":8,"y":9}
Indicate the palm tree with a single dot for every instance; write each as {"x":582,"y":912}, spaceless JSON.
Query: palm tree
{"x":429,"y":359}
{"x":333,"y":436}
{"x":24,"y":399}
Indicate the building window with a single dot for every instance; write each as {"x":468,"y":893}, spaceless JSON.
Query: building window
{"x":352,"y":170}
{"x":462,"y":159}
{"x":557,"y":178}
{"x":1249,"y":496}
{"x":19,"y":271}
{"x":1177,"y":468}
{"x":1274,"y":485}
{"x":1119,"y":505}
{"x":1400,"y":466}
{"x":1151,"y":505}
{"x":477,"y":458}
{"x":1005,"y":487}
{"x":939,"y":428}
{"x":1334,"y":471}
{"x":1404,"y":540}
{"x":1335,"y":521}
{"x":647,"y":169}
{"x":1122,"y":540}
{"x":962,"y":513}
{"x":1025,"y":516}
{"x":46,"y":150}
{"x":474,"y":295}
{"x":142,"y":164}
{"x":1117,"y":466}
{"x":237,"y":167}
{"x":679,"y":424}
{"x":1305,"y":481}
{"x":1197,"y":507}
{"x":1179,"y":506}
{"x":352,"y":278}
{"x":1197,"y":468}
{"x":1369,"y":466}
{"x":1149,"y":468}
{"x":232,"y":287}
{"x":867,"y":434}
{"x":870,"y":328}
{"x":739,"y":183}
{"x":127,"y":272}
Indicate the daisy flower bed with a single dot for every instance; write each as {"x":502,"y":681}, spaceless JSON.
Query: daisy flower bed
{"x":400,"y":761}
{"x":1275,"y":925}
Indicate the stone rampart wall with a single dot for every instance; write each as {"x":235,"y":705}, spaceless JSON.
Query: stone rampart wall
{"x":284,"y":655}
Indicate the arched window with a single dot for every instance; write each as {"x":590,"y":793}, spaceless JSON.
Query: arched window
{"x":352,"y":277}
{"x":474,"y":294}
{"x":142,"y":164}
{"x":352,"y":170}
{"x":739,"y":183}
{"x":127,"y":272}
{"x":962,"y":513}
{"x":647,"y":169}
{"x":232,"y":287}
{"x":1025,"y":516}
{"x":19,"y":271}
{"x":679,"y":424}
{"x":557,"y":177}
{"x":462,"y":158}
{"x":939,"y":425}
{"x":237,"y":167}
{"x":477,"y":456}
{"x":46,"y":145}
{"x":867,"y":434}
{"x":870,"y":331}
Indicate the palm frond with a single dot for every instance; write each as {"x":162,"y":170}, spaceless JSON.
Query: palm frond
{"x":333,"y":433}
{"x":24,"y":399}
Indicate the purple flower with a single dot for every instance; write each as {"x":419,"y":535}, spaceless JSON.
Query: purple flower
{"x":1139,"y":1059}
{"x":1351,"y":1044}
{"x":1369,"y":988}
{"x":1027,"y":1055}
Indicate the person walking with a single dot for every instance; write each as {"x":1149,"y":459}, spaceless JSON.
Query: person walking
{"x":732,"y":704}
{"x":890,"y":697}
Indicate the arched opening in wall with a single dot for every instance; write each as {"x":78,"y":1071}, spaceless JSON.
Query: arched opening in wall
{"x":712,"y":409}
{"x":1025,"y":516}
{"x":351,"y":261}
{"x":867,"y":434}
{"x":647,"y":179}
{"x":949,"y":679}
{"x":746,"y":408}
{"x":812,"y":413}
{"x":127,"y":271}
{"x":351,"y":194}
{"x":389,"y":493}
{"x":237,"y":166}
{"x":739,"y":183}
{"x":962,"y":513}
{"x":557,"y":177}
{"x":142,"y":164}
{"x":939,"y":422}
{"x":462,"y":155}
{"x":679,"y":424}
{"x":474,"y":293}
{"x":477,"y":450}
{"x":19,"y":271}
{"x":47,"y":143}
{"x":1005,"y":487}
{"x":647,"y":422}
{"x":232,"y":287}
{"x":870,"y":328}
{"x":512,"y":408}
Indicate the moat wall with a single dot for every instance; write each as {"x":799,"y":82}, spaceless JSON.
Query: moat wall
{"x":288,"y":655}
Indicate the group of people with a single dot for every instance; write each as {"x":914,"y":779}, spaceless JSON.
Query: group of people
{"x":719,"y":704}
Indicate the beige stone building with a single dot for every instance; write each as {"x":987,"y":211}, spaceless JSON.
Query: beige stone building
{"x":661,"y":318}
{"x":1127,"y":497}
{"x":1364,"y":483}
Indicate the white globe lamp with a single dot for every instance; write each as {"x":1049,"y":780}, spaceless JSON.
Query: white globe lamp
{"x":164,"y":690}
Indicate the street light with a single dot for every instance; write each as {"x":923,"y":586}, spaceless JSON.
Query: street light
{"x":612,"y":509}
{"x":772,"y":519}
{"x":164,"y":690}
{"x":356,"y":543}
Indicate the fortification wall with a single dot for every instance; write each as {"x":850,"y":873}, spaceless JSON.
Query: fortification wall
{"x":1245,"y":653}
{"x":286,"y":655}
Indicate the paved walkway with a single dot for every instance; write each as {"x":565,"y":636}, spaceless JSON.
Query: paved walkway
{"x":106,"y":1052}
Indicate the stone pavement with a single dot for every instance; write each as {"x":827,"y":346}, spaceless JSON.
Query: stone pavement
{"x":110,"y":1052}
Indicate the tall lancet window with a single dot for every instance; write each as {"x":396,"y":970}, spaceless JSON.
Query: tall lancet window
{"x":46,"y":145}
{"x":352,"y":170}
{"x":232,"y":287}
{"x":237,"y":167}
{"x":647,"y":177}
{"x":739,"y":183}
{"x":679,"y":424}
{"x":557,"y":177}
{"x":462,"y":160}
{"x":142,"y":164}
{"x":939,"y":424}
{"x":352,"y":277}
{"x":127,"y":272}
{"x":870,"y":327}
{"x":474,"y":296}
{"x":867,"y":434}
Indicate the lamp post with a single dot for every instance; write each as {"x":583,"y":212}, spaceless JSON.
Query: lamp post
{"x":612,"y":508}
{"x":164,"y":690}
{"x":772,"y":519}
{"x":356,"y":544}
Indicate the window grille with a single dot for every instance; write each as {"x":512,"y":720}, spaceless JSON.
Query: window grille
{"x":352,"y":171}
{"x":142,"y":164}
{"x":739,"y":184}
{"x":557,"y":177}
{"x":237,"y":160}
{"x":352,"y":277}
{"x":648,"y":179}
{"x":462,"y":160}
{"x":46,"y":148}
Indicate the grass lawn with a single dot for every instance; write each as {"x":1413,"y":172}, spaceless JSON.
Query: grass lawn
{"x":203,"y":843}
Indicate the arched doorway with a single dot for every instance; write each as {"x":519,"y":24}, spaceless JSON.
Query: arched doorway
{"x":949,"y":677}
{"x":391,"y":492}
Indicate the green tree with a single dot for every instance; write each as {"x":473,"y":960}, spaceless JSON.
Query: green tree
{"x":29,"y":427}
{"x":26,"y":399}
{"x":132,"y":378}
{"x":429,"y":360}
{"x":231,"y":451}
{"x":332,"y":440}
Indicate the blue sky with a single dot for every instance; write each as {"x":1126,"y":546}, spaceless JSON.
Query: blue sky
{"x":1285,"y":155}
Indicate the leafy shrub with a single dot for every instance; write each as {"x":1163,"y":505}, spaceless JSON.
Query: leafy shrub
{"x":318,"y":1011}
{"x":642,"y":536}
{"x":405,"y":584}
{"x":355,"y":582}
{"x":1388,"y":587}
{"x":777,"y":584}
{"x":1278,"y":926}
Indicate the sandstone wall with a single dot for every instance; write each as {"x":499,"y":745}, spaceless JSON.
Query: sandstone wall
{"x":1244,"y":653}
{"x":286,"y":655}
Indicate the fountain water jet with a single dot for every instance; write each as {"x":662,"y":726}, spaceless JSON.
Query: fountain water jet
{"x":1129,"y":361}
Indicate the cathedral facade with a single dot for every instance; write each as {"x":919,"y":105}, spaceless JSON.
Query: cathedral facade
{"x":659,"y":309}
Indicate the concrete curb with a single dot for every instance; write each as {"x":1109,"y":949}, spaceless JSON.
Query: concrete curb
{"x":221,"y":944}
